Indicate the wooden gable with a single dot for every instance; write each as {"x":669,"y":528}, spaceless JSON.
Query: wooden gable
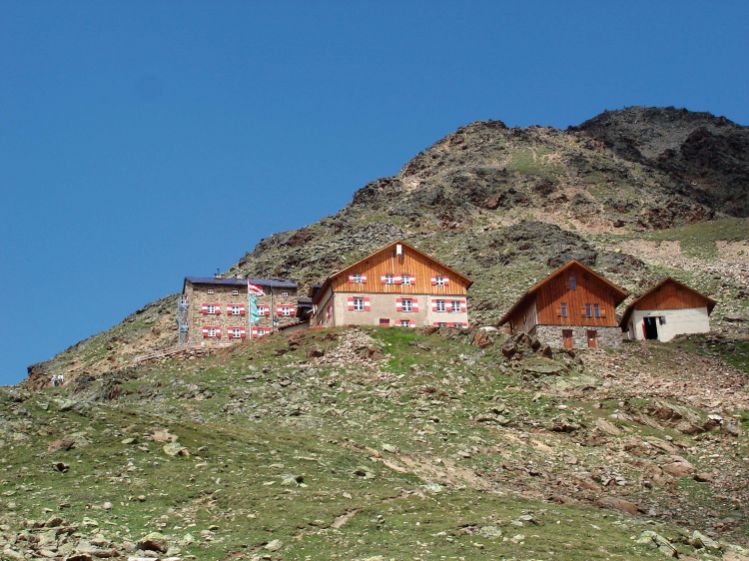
{"x":589,"y":290}
{"x":386,"y":261}
{"x":548,"y":295}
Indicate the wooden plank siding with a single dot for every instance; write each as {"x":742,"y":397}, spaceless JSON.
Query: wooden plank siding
{"x":671,"y":296}
{"x":589,"y":290}
{"x":386,"y":262}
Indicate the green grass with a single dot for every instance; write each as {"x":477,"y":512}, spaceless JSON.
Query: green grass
{"x":698,"y":240}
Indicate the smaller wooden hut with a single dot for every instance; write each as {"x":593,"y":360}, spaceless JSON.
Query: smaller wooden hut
{"x":668,"y":309}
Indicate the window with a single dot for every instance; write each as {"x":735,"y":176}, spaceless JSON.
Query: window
{"x":235,"y":292}
{"x":407,"y":305}
{"x":389,"y":279}
{"x":439,"y":305}
{"x":439,"y":281}
{"x":286,"y":311}
{"x":384,"y":322}
{"x":236,"y":333}
{"x":441,"y":324}
{"x":358,"y":304}
{"x":405,"y":323}
{"x":597,"y":310}
{"x":408,"y":279}
{"x":563,"y":309}
{"x":211,"y":309}
{"x":456,"y":306}
{"x":210,"y":291}
{"x":284,"y":295}
{"x":573,"y":282}
{"x":357,"y":278}
{"x":210,"y":332}
{"x":236,"y":310}
{"x":588,"y":311}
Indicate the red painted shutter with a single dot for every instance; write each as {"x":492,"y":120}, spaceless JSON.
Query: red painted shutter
{"x":367,"y":306}
{"x":463,"y":306}
{"x":446,"y":281}
{"x":205,"y":332}
{"x":350,"y":303}
{"x":204,"y":309}
{"x":398,"y":279}
{"x":398,"y":304}
{"x":434,"y":281}
{"x":364,"y":278}
{"x":384,"y":279}
{"x":415,"y":305}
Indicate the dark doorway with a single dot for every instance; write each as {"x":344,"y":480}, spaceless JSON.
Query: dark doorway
{"x":650,"y":326}
{"x":567,"y":338}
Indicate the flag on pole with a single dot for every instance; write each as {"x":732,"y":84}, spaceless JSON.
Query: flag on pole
{"x":255,"y":289}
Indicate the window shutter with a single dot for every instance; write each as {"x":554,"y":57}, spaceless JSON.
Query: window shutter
{"x":398,"y":279}
{"x":292,"y":311}
{"x":205,"y":332}
{"x":218,"y":333}
{"x":367,"y":306}
{"x":434,"y":305}
{"x":384,"y":279}
{"x":204,"y":309}
{"x":463,"y":306}
{"x":218,"y":309}
{"x":242,"y":311}
{"x":415,"y":305}
{"x":398,"y":304}
{"x":364,"y":278}
{"x":445,"y":281}
{"x":434,"y":281}
{"x":350,"y":303}
{"x":242,"y":334}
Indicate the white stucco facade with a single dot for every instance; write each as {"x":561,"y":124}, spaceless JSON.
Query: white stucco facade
{"x":676,"y":322}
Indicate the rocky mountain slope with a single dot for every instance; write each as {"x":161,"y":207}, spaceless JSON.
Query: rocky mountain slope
{"x":505,"y":205}
{"x":377,"y":444}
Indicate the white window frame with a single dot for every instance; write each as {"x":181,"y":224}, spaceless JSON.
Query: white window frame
{"x":358,"y":304}
{"x":210,"y":291}
{"x":212,"y":332}
{"x":235,"y":292}
{"x":404,"y":323}
{"x":212,"y":309}
{"x":439,"y":280}
{"x":453,"y":309}
{"x":236,"y":310}
{"x":285,"y":311}
{"x":236,"y":333}
{"x":357,"y":278}
{"x":408,"y":280}
{"x":389,"y":279}
{"x":440,"y":305}
{"x":407,"y":305}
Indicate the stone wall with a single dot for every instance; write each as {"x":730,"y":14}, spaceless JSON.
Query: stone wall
{"x":223,"y":296}
{"x":552,"y":335}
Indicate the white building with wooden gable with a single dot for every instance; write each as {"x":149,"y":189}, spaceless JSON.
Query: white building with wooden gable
{"x":397,"y":285}
{"x":668,"y":309}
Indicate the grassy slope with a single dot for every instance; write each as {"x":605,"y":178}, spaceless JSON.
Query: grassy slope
{"x":390,"y":442}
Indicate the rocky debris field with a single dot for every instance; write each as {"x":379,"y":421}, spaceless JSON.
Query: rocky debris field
{"x":386,"y":444}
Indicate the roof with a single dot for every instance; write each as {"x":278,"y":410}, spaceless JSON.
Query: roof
{"x":315,"y":291}
{"x":633,"y":305}
{"x":620,"y":293}
{"x":270,"y":283}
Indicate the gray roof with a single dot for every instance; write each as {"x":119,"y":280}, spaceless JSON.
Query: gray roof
{"x":271,"y":283}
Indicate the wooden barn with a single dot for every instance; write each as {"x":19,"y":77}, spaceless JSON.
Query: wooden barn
{"x":574,"y":307}
{"x":398,"y":286}
{"x":668,"y":309}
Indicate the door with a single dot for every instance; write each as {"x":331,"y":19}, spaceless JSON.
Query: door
{"x":650,"y":328}
{"x":567,"y":338}
{"x":592,"y":339}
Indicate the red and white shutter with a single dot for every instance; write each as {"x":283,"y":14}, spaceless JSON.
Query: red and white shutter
{"x":445,"y":281}
{"x":242,"y":311}
{"x":384,"y":279}
{"x":205,"y":332}
{"x":367,"y":305}
{"x":242,"y":333}
{"x":412,"y":323}
{"x":434,"y":281}
{"x":204,"y":309}
{"x":398,"y":279}
{"x":292,"y":311}
{"x":463,"y":306}
{"x":399,"y":304}
{"x":415,"y":305}
{"x":350,"y":303}
{"x":363,"y":278}
{"x":217,"y":309}
{"x":218,"y":333}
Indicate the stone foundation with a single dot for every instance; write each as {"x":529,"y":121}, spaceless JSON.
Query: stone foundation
{"x":552,"y":335}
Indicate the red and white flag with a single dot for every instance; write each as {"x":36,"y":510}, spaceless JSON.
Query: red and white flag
{"x":255,"y":289}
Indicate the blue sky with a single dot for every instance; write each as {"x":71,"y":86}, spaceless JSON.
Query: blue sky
{"x":143,"y":141}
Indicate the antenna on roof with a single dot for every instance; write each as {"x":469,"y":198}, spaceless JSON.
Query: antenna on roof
{"x":217,"y":274}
